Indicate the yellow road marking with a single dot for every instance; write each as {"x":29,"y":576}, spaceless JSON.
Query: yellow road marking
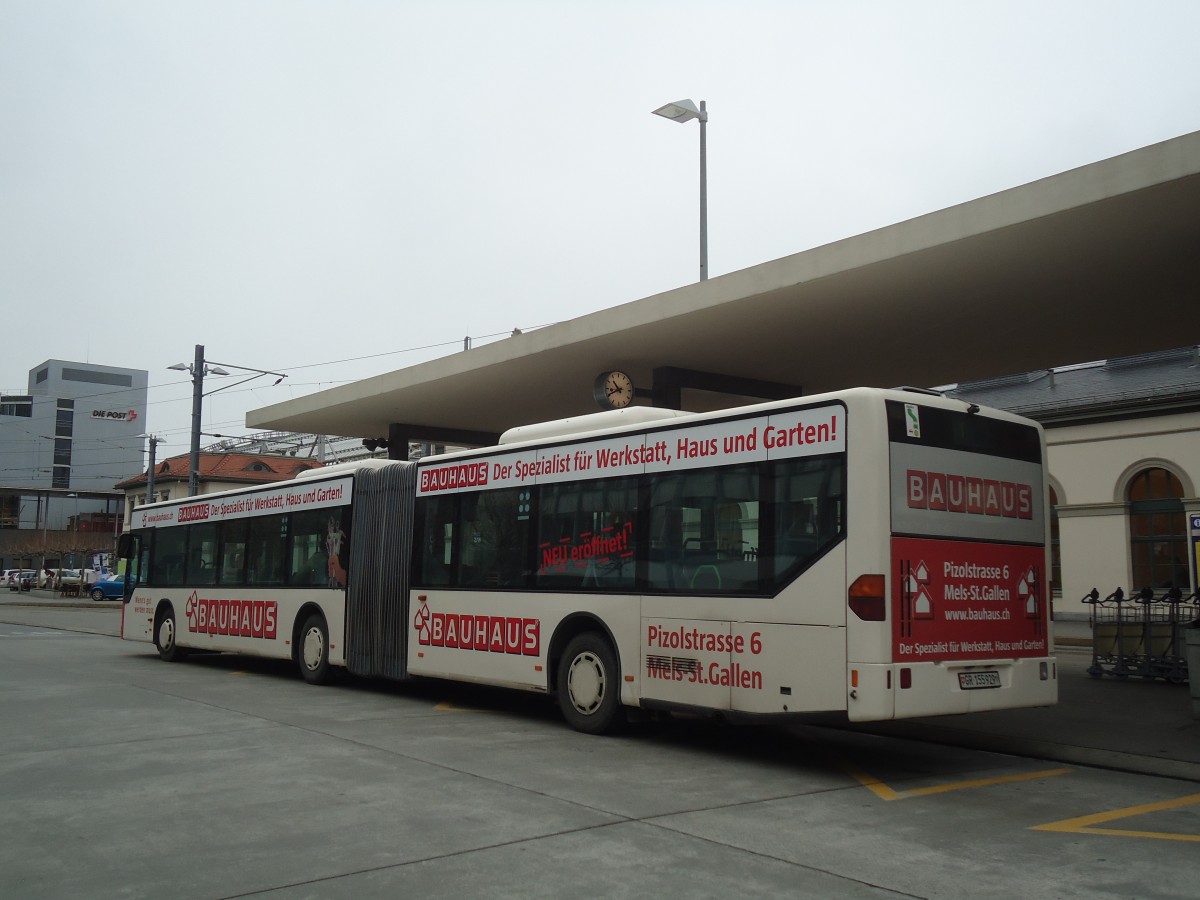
{"x":984,"y":782}
{"x":884,"y":792}
{"x":877,"y":787}
{"x":1085,"y":824}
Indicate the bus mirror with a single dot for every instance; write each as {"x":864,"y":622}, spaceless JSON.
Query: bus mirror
{"x":125,"y":546}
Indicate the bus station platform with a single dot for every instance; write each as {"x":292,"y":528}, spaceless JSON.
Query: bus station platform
{"x":1126,"y":724}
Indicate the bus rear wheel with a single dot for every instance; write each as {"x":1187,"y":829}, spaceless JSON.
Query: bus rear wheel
{"x":589,"y":685}
{"x":313,"y":652}
{"x":165,"y":634}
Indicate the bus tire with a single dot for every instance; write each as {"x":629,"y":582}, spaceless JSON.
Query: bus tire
{"x":589,"y":685}
{"x":312,"y":652}
{"x":166,"y":636}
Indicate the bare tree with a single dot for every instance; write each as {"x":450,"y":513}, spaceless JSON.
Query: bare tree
{"x":40,"y":547}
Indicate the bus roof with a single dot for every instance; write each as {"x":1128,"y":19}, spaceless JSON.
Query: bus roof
{"x":601,"y":421}
{"x":347,"y":468}
{"x":614,"y":422}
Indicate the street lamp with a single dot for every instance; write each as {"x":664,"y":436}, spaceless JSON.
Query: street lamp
{"x":685,"y":111}
{"x":154,"y":442}
{"x":198,"y":369}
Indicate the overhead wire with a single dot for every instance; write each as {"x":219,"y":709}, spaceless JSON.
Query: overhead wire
{"x":11,"y":422}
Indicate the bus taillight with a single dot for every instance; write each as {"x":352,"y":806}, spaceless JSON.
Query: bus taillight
{"x":867,"y":598}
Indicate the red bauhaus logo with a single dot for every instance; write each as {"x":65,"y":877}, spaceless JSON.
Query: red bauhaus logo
{"x":946,"y":492}
{"x":236,"y":618}
{"x":463,"y":631}
{"x":448,"y":478}
{"x":193,"y":513}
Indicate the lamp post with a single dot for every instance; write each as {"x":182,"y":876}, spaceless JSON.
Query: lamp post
{"x":685,"y":111}
{"x":198,"y":369}
{"x":75,"y":536}
{"x":154,"y":442}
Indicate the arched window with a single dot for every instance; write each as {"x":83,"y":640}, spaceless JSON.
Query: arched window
{"x":1055,"y":548}
{"x":1157,"y":530}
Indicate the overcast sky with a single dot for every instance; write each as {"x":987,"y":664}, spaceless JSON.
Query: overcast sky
{"x":340,"y":189}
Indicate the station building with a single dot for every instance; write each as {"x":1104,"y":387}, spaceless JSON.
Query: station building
{"x":1123,"y":442}
{"x":1096,"y":263}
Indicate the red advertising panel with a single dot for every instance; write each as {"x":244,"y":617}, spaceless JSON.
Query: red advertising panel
{"x":290,"y":496}
{"x":784,"y":434}
{"x":962,"y":600}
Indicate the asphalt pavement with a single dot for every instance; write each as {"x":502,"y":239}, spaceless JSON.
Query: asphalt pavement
{"x":1128,"y":724}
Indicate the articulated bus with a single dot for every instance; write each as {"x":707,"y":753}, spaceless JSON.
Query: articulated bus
{"x":876,"y":553}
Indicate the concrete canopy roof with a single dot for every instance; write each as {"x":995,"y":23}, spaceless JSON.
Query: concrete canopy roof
{"x":1095,"y":262}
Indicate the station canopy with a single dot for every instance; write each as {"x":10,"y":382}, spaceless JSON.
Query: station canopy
{"x":1096,"y":262}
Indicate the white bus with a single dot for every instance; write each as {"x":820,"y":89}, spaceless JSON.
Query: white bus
{"x":877,"y":553}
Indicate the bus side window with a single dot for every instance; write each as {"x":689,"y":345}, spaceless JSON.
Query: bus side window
{"x":704,"y":529}
{"x":729,"y":530}
{"x":675,"y":529}
{"x":808,"y":512}
{"x":142,"y":543}
{"x":493,"y":543}
{"x":233,"y":553}
{"x":264,"y":550}
{"x":586,"y":535}
{"x":166,"y":562}
{"x":309,"y":558}
{"x":202,"y":554}
{"x":433,"y":556}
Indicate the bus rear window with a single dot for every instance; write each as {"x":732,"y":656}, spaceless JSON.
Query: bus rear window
{"x":970,"y":433}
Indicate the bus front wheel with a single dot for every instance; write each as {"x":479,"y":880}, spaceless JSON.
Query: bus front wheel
{"x":165,"y":634}
{"x":589,"y":686}
{"x":313,"y":654}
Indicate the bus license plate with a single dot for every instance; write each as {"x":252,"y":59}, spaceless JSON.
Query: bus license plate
{"x":973,"y":681}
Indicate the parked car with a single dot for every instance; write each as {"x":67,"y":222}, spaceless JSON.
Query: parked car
{"x":68,"y":577}
{"x":112,"y":588}
{"x":22,"y":579}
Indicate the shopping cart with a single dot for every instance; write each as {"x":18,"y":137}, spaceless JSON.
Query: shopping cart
{"x":1140,"y":636}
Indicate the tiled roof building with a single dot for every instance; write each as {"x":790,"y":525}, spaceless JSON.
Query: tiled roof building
{"x":218,"y":472}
